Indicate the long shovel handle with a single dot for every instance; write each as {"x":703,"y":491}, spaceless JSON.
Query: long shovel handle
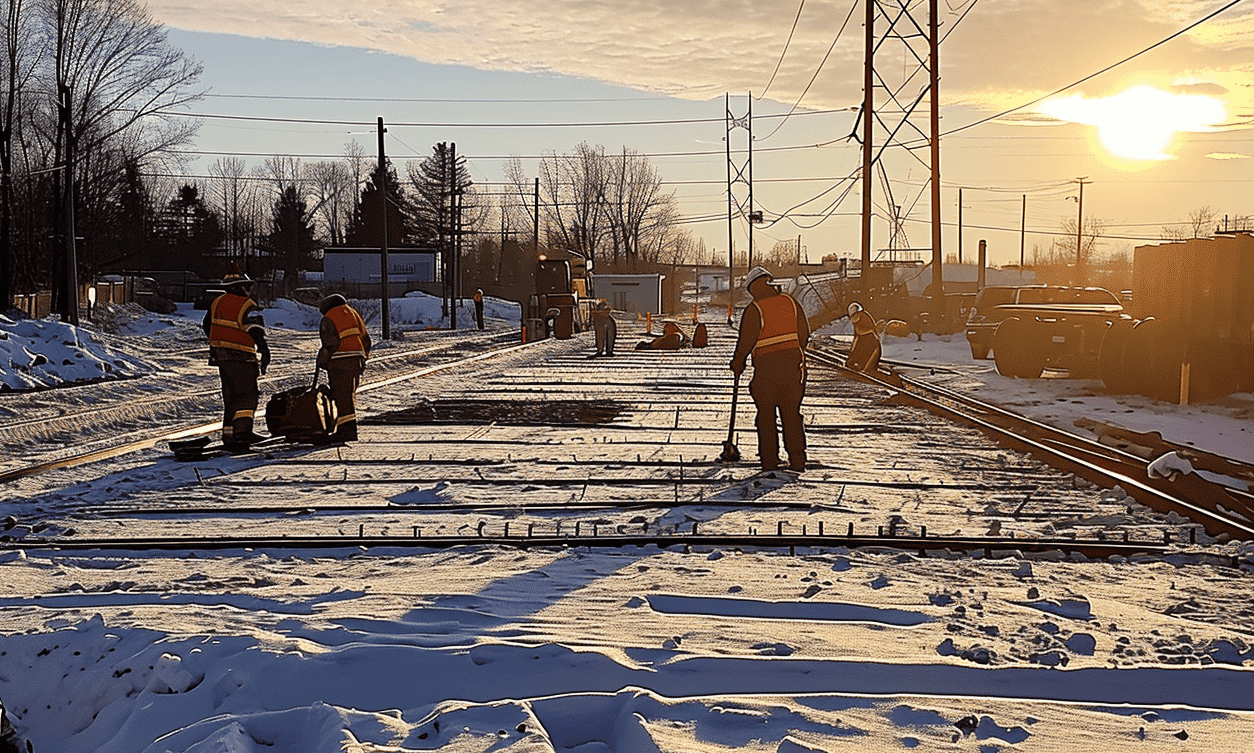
{"x":731,"y":426}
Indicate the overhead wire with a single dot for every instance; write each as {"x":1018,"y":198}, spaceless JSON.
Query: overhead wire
{"x":1094,"y":75}
{"x":784,"y":52}
{"x":815,"y":77}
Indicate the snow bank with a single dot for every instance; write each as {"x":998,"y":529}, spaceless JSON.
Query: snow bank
{"x":38,"y":353}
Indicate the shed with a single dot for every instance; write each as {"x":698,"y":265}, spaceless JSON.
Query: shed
{"x":358,"y":268}
{"x":637,"y":294}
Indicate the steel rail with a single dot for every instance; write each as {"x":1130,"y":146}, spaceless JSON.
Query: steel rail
{"x":273,"y":380}
{"x":988,"y":546}
{"x":1192,"y":496}
{"x":200,"y":429}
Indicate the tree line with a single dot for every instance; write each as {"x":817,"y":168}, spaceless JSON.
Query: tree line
{"x":94,"y":123}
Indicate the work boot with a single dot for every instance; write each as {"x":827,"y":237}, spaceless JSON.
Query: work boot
{"x":347,"y":432}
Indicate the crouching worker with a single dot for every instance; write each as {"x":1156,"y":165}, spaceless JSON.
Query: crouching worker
{"x":345,"y":347}
{"x":864,"y":355}
{"x":237,"y":346}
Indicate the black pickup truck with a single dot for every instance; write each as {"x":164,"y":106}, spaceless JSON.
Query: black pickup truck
{"x":1030,"y":327}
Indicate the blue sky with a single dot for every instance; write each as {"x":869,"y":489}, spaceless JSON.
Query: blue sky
{"x":595,"y":62}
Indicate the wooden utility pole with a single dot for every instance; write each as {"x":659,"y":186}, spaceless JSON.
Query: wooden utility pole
{"x":868,"y":118}
{"x":959,"y":226}
{"x":1023,"y":231}
{"x":70,"y":314}
{"x":383,"y":239}
{"x":454,"y":237}
{"x":1079,"y":225}
{"x":933,"y":27}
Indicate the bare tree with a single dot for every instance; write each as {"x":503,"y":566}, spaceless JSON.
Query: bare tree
{"x":573,"y":193}
{"x":329,"y":184}
{"x":1202,"y":224}
{"x":113,"y":63}
{"x":19,"y":64}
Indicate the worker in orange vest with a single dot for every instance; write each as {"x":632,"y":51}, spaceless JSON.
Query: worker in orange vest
{"x":479,"y":307}
{"x":775,"y":330}
{"x":345,"y":347}
{"x":864,"y":354}
{"x":237,"y":346}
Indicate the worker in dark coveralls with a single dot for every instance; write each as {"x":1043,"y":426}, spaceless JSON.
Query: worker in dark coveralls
{"x":345,"y":347}
{"x":864,"y":354}
{"x":237,"y":346}
{"x":479,"y":308}
{"x":775,"y":330}
{"x":604,"y":329}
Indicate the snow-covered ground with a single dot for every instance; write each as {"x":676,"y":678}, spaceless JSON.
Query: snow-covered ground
{"x":494,"y":649}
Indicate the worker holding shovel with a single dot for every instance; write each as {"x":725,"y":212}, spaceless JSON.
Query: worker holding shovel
{"x":775,"y":330}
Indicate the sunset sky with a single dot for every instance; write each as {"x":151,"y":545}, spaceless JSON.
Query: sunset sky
{"x":1156,"y":137}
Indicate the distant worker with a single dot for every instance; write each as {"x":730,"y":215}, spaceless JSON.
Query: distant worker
{"x":864,"y":354}
{"x":672,"y":338}
{"x":604,"y":329}
{"x":479,"y":307}
{"x":550,"y":321}
{"x":775,"y":330}
{"x":345,"y":347}
{"x":237,"y":346}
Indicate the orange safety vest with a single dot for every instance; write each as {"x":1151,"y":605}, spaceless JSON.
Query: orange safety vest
{"x":227,"y":327}
{"x":351,"y":329}
{"x":779,"y":325}
{"x":863,"y":323}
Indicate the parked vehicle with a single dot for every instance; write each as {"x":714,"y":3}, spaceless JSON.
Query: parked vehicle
{"x":1193,"y":336}
{"x":1030,"y":327}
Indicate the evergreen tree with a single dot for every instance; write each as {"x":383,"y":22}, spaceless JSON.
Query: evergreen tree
{"x":292,"y":235}
{"x":434,"y":181}
{"x":191,"y":233}
{"x":365,"y":229}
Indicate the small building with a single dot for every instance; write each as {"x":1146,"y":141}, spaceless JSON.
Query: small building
{"x":637,"y":294}
{"x":357,"y":270}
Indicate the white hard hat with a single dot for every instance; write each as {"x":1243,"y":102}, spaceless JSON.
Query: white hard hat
{"x":854,"y":308}
{"x":755,"y":273}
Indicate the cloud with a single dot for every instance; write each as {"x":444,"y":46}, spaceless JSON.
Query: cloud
{"x":1227,"y":156}
{"x":1002,"y":51}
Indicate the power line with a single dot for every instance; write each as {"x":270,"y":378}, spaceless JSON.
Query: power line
{"x":363,"y":124}
{"x":1112,"y":66}
{"x":784,"y":52}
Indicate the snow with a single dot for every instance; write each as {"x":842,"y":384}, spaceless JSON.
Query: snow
{"x":493,"y":649}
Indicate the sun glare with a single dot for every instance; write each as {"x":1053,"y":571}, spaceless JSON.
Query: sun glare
{"x":1139,"y":123}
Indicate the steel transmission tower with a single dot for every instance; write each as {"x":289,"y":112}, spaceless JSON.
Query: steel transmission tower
{"x":894,"y":31}
{"x":739,"y":189}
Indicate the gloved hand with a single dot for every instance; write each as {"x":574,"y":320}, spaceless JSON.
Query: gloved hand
{"x":737,"y":367}
{"x":265,"y":361}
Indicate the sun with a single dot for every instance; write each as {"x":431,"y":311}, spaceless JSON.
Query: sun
{"x":1139,"y":123}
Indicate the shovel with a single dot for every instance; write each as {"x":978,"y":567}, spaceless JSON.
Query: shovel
{"x":730,"y":452}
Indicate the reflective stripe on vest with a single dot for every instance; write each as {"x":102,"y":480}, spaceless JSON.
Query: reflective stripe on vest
{"x":227,"y":328}
{"x":350,"y":327}
{"x":779,"y":324}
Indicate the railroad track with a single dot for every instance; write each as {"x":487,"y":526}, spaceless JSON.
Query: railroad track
{"x":594,"y":535}
{"x":397,"y":367}
{"x":1221,"y":510}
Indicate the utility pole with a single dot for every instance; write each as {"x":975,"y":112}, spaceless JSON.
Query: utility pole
{"x":1023,"y":231}
{"x":731,"y":240}
{"x":1079,"y":224}
{"x":868,"y":118}
{"x":455,"y":249}
{"x":959,"y":226}
{"x":383,"y":240}
{"x":71,"y":253}
{"x":933,"y":31}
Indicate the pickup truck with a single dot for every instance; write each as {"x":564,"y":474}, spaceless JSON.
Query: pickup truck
{"x":1030,"y":327}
